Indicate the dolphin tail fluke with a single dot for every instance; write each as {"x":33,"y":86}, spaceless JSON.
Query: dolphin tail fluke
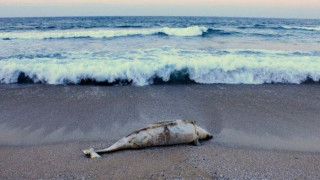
{"x":91,"y":152}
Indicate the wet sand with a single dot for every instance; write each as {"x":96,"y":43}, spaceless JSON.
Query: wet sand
{"x":260,"y":131}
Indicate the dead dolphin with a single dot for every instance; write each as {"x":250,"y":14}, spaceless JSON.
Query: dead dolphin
{"x":158,"y":134}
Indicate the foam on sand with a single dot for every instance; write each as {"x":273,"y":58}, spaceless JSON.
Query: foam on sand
{"x":241,"y":138}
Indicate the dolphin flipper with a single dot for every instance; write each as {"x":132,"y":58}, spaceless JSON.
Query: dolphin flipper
{"x":196,"y":142}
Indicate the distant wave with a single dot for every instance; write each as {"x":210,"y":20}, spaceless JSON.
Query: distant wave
{"x":33,"y":56}
{"x":258,"y":26}
{"x":165,"y":66}
{"x":317,"y":28}
{"x":104,"y":33}
{"x":218,"y":32}
{"x":213,"y":52}
{"x":129,"y":26}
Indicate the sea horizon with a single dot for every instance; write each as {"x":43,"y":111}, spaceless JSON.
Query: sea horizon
{"x":245,"y":17}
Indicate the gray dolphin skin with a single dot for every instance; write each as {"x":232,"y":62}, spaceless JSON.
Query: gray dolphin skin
{"x":158,"y":134}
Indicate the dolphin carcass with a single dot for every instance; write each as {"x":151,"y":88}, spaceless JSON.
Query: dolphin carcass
{"x":158,"y":134}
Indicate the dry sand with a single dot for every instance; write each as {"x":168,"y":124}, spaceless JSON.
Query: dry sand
{"x":261,"y":131}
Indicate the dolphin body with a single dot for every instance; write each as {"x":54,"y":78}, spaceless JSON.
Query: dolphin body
{"x":158,"y":134}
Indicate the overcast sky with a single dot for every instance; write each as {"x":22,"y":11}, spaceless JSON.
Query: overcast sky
{"x":242,"y":8}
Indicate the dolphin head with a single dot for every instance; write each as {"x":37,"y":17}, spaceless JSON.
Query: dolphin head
{"x":202,"y":134}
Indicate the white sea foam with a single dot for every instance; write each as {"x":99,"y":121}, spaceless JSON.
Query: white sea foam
{"x":140,"y":68}
{"x":104,"y":33}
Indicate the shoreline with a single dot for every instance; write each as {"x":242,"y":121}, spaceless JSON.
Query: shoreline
{"x":260,"y":131}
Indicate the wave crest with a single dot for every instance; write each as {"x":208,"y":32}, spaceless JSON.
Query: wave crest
{"x":104,"y":33}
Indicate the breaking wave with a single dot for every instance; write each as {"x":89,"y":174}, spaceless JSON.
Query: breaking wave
{"x":122,"y":31}
{"x":104,"y":33}
{"x":164,"y":66}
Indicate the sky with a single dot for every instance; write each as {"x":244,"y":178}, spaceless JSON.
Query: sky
{"x":230,"y":8}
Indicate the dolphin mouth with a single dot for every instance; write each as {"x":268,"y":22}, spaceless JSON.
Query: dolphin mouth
{"x":209,"y":136}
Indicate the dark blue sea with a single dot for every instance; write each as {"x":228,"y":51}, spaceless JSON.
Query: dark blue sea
{"x":153,"y":50}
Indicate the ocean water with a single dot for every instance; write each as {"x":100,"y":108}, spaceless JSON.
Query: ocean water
{"x":154,"y":50}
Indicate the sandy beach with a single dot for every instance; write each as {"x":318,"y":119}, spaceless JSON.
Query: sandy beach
{"x":260,"y":131}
